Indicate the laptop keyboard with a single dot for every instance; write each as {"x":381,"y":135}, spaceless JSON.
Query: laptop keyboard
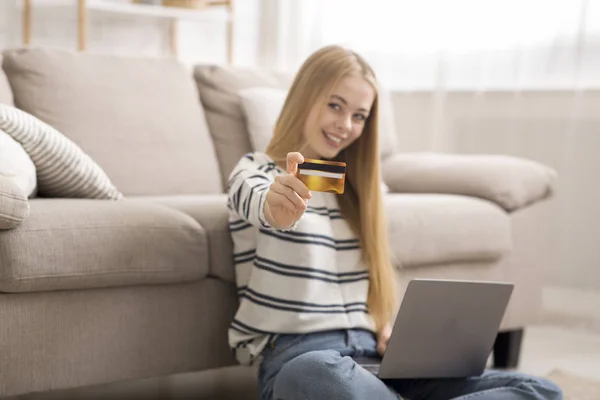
{"x":371,"y":364}
{"x":372,"y":368}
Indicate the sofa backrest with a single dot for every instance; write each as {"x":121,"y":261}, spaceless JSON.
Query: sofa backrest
{"x":138,"y":118}
{"x":6,"y":96}
{"x":219,"y":87}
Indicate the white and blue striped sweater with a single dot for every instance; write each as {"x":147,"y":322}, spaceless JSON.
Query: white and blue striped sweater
{"x":306,"y":279}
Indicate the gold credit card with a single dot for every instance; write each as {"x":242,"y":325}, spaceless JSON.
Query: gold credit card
{"x":322,"y":176}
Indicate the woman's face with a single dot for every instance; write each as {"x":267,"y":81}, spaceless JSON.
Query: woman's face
{"x":332,"y":127}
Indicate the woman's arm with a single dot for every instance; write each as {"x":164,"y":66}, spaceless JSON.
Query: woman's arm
{"x":263,"y":200}
{"x":247,"y":189}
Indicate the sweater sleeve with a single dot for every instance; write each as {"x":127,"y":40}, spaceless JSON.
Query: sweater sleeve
{"x":247,"y":190}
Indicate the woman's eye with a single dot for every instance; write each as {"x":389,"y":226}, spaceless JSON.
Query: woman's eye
{"x":334,"y":106}
{"x":359,"y":117}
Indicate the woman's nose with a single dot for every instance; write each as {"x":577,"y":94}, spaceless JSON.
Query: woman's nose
{"x":344,"y":123}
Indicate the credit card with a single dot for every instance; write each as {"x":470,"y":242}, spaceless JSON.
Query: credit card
{"x":322,"y":176}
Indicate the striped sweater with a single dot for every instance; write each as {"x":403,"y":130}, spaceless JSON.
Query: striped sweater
{"x":305,"y":279}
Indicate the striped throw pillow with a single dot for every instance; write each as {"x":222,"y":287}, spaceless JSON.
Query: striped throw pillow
{"x":63,"y":169}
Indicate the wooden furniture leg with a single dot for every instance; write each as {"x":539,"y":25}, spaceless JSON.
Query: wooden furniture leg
{"x":26,"y":21}
{"x":230,"y":32}
{"x":82,"y":25}
{"x":507,"y":349}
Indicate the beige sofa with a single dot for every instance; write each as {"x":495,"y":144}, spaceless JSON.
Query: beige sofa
{"x":97,"y":291}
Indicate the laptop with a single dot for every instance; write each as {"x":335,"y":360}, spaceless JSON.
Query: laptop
{"x":444,"y":329}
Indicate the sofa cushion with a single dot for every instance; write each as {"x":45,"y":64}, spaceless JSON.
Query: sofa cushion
{"x":431,"y":229}
{"x":139,"y":119}
{"x":14,"y":207}
{"x":211,"y":212}
{"x":261,"y":107}
{"x":219,"y":87}
{"x":77,"y":244}
{"x":62,"y":168}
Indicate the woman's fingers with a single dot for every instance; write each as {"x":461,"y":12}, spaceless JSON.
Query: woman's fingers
{"x":276,"y":199}
{"x":289,"y":193}
{"x":383,"y":338}
{"x":292,"y":161}
{"x":290,"y":180}
{"x":295,"y":184}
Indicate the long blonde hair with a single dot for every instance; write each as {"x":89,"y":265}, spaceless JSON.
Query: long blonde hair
{"x":361,"y":203}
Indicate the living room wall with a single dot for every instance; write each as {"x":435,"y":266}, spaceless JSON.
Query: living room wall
{"x":7,"y":26}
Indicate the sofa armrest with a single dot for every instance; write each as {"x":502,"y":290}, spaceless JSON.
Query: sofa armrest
{"x":511,"y":182}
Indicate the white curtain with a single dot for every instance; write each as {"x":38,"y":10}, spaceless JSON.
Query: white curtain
{"x":519,"y":77}
{"x":457,"y":44}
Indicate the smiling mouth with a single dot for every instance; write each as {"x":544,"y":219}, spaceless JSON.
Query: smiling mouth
{"x":334,"y":139}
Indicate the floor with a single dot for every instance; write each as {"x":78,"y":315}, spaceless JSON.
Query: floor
{"x":568,"y":336}
{"x":566,"y":339}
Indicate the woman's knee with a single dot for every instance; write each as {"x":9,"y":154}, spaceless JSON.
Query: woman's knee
{"x":544,"y":387}
{"x":315,"y":375}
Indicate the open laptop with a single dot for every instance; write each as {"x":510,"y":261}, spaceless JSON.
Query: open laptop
{"x":444,"y":329}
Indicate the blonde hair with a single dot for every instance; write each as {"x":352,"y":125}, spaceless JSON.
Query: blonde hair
{"x":362,"y":202}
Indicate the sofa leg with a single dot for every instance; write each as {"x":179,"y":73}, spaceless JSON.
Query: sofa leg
{"x":507,"y":349}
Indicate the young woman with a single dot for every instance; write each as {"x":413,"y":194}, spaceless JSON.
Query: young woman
{"x":315,"y":281}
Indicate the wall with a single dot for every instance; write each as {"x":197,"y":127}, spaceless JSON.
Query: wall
{"x":7,"y":26}
{"x":203,"y":41}
{"x":558,"y":128}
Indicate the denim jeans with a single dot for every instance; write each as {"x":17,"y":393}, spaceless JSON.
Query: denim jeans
{"x":320,"y":366}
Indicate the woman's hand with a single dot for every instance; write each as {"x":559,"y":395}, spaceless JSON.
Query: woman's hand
{"x":287,"y":196}
{"x":383,"y":338}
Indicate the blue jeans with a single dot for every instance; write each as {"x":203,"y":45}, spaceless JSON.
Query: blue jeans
{"x":321,"y":366}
